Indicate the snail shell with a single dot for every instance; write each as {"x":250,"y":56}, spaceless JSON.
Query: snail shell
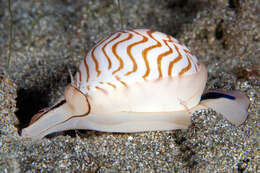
{"x":136,"y":80}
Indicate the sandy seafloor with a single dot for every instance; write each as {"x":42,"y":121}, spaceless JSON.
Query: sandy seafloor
{"x":50,"y":37}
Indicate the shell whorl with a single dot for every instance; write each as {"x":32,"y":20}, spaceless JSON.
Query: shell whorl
{"x":134,"y":56}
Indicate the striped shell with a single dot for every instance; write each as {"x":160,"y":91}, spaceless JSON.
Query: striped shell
{"x":132,"y":56}
{"x":133,"y":81}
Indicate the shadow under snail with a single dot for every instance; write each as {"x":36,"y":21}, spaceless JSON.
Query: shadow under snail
{"x":136,"y":80}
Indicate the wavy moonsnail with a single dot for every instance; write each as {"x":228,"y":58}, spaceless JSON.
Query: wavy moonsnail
{"x":136,"y":80}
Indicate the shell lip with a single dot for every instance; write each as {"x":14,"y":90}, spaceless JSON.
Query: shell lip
{"x":85,"y":96}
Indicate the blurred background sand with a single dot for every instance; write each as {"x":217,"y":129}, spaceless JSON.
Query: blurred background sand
{"x":50,"y":37}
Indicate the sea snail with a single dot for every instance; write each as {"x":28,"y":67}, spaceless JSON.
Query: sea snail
{"x":136,"y":80}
